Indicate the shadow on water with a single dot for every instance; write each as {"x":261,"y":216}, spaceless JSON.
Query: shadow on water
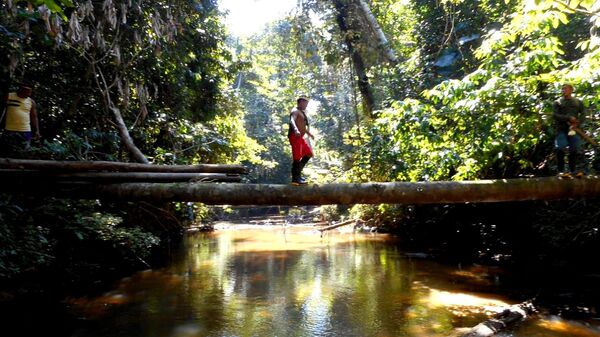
{"x":271,"y":281}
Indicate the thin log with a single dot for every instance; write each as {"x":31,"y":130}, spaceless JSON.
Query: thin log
{"x":585,"y":136}
{"x":274,"y":217}
{"x":334,"y":226}
{"x":278,"y":221}
{"x":126,"y":138}
{"x":309,"y":224}
{"x":440,"y":192}
{"x":112,"y":177}
{"x":69,"y":166}
{"x":502,"y":321}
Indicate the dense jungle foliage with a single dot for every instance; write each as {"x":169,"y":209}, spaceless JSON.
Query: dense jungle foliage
{"x":468,"y":96}
{"x":400,"y":91}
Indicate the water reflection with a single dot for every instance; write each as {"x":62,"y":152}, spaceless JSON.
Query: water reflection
{"x":272,"y":281}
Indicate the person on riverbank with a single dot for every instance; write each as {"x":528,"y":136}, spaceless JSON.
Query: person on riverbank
{"x":20,"y":121}
{"x":568,"y":114}
{"x":301,"y":151}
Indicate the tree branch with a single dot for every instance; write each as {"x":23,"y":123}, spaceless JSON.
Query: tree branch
{"x":577,"y":9}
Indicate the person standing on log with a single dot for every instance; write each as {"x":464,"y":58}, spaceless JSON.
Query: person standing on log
{"x":568,"y":113}
{"x":20,"y":121}
{"x":301,"y":151}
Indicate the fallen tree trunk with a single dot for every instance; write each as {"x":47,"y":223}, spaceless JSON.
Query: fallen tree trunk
{"x":334,"y":226}
{"x":63,"y":166}
{"x":440,"y":192}
{"x":502,"y":321}
{"x":113,"y":177}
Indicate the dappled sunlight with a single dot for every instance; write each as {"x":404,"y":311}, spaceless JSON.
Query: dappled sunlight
{"x":449,"y":299}
{"x":554,"y":326}
{"x":316,"y":306}
{"x":459,"y":304}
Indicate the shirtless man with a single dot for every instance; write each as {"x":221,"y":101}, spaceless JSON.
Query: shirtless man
{"x":301,"y":151}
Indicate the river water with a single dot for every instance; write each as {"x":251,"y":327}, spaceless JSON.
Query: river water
{"x":275,"y":281}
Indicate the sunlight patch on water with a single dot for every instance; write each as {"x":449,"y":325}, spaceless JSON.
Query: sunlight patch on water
{"x":450,"y":299}
{"x":280,"y":238}
{"x":316,"y":308}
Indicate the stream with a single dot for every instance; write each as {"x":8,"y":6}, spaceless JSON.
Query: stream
{"x":287,"y":281}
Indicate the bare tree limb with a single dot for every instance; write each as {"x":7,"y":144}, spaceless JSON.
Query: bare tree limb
{"x":384,"y":45}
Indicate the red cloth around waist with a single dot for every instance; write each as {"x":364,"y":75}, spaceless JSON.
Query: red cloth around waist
{"x":300,"y":147}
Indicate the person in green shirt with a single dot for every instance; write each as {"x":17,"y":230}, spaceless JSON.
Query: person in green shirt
{"x":568,"y":112}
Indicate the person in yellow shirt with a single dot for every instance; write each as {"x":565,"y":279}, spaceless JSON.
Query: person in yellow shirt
{"x":20,"y":120}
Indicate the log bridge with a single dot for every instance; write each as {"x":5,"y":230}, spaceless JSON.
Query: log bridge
{"x":217,"y":185}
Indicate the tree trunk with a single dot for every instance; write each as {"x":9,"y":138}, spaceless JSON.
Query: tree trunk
{"x":364,"y":87}
{"x":126,"y":138}
{"x":113,"y":177}
{"x":356,"y":115}
{"x":70,"y":166}
{"x":440,"y":192}
{"x":124,"y":135}
{"x":384,"y":45}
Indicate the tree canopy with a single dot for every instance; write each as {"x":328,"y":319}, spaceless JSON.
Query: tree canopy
{"x":468,"y":94}
{"x":156,"y":75}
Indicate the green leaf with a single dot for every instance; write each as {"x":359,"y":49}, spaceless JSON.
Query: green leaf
{"x":574,"y":3}
{"x":55,"y":8}
{"x":583,"y":45}
{"x":563,"y":18}
{"x":588,"y":4}
{"x":555,"y":22}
